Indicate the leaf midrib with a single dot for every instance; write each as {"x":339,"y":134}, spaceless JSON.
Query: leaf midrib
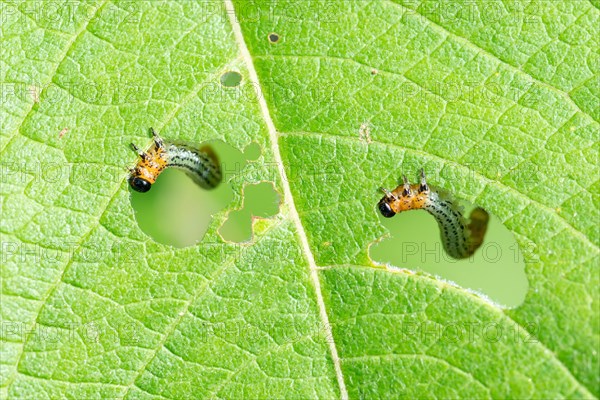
{"x":274,"y":135}
{"x":287,"y":195}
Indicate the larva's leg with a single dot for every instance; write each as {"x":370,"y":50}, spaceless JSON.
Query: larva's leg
{"x":138,"y":151}
{"x":388,"y":194}
{"x":423,"y":186}
{"x":406,"y":186}
{"x":158,"y":142}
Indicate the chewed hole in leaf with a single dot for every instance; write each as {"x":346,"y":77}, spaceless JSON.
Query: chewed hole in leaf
{"x":231,"y":79}
{"x":260,"y":201}
{"x":273,"y":37}
{"x":176,"y":211}
{"x":252,"y":152}
{"x":496,"y":270}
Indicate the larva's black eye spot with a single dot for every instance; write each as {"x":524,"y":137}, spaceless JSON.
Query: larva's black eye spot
{"x":231,"y":79}
{"x":140,"y":185}
{"x":273,"y":37}
{"x":385,"y":209}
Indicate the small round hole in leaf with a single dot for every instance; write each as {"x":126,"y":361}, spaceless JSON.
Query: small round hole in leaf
{"x":231,"y":79}
{"x":252,"y":151}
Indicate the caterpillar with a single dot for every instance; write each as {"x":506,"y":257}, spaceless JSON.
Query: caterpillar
{"x":460,"y":238}
{"x":202,"y":165}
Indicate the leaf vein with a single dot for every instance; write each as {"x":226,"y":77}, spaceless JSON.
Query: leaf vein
{"x":493,"y":56}
{"x":52,"y":73}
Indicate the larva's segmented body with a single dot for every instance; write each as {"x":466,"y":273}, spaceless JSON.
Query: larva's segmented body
{"x":460,"y":237}
{"x":202,"y":165}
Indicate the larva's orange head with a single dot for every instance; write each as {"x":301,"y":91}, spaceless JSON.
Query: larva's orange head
{"x":403,"y":198}
{"x":147,"y":169}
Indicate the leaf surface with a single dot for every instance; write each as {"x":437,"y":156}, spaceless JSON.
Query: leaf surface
{"x":499,"y":103}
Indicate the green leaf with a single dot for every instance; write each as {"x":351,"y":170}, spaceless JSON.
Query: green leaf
{"x":499,"y":102}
